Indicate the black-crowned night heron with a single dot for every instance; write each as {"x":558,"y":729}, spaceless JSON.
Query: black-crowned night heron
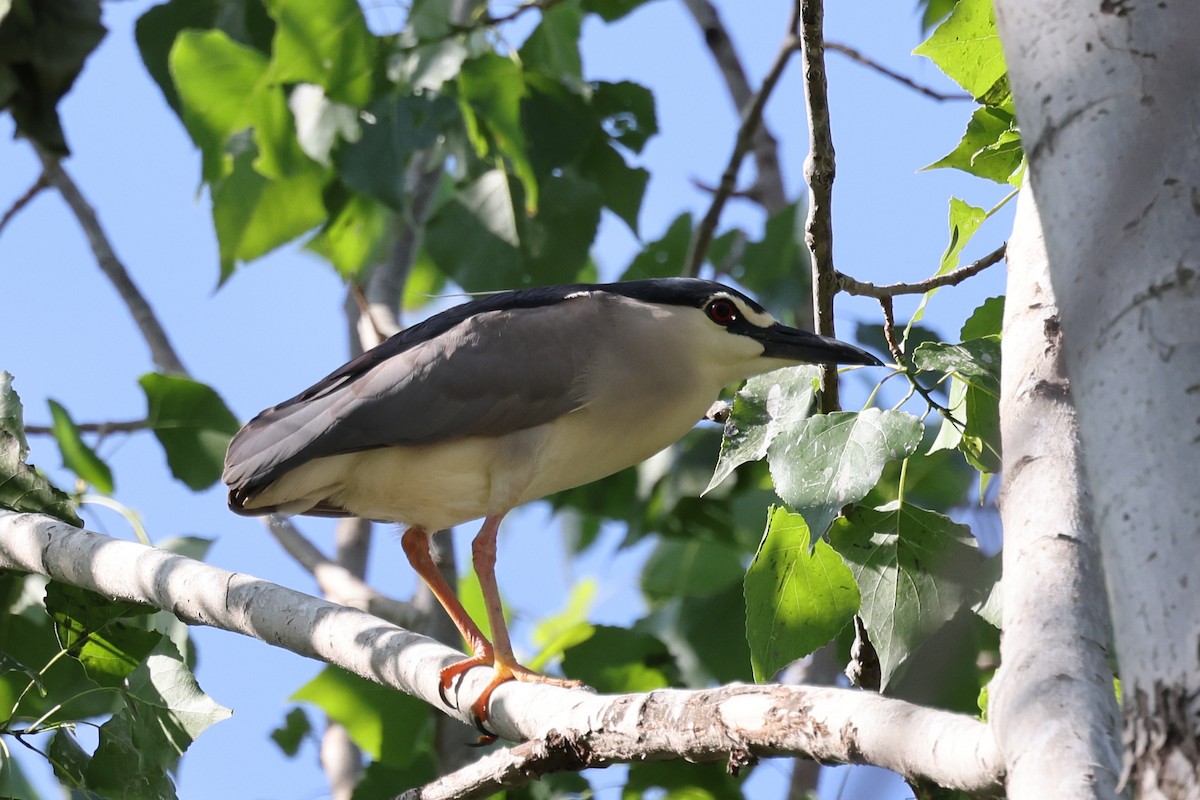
{"x":504,"y":400}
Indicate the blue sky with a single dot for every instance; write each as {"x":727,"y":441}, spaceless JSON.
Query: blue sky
{"x":277,"y":325}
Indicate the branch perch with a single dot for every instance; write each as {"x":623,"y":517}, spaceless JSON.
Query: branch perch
{"x":737,"y":721}
{"x":864,"y":289}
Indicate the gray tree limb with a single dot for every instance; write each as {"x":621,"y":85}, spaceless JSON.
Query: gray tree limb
{"x":733,"y":723}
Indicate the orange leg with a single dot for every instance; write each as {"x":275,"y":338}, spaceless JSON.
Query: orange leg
{"x":498,"y":654}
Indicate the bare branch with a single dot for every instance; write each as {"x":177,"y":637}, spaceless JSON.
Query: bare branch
{"x":751,"y":119}
{"x":161,"y":351}
{"x":768,"y":190}
{"x":734,"y":722}
{"x":338,"y":583}
{"x":868,"y":62}
{"x":864,"y":289}
{"x":100,"y":428}
{"x":23,"y":200}
{"x":819,"y":171}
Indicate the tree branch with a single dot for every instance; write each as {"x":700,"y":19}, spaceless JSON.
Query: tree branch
{"x":819,"y":172}
{"x":161,"y":351}
{"x":24,"y":200}
{"x":730,"y":723}
{"x":868,"y":62}
{"x":100,"y":428}
{"x":751,"y":119}
{"x":864,"y":289}
{"x":1055,"y":678}
{"x":768,"y":190}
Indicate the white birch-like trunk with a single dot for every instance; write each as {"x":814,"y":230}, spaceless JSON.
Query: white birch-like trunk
{"x":1108,"y":99}
{"x":1052,"y":705}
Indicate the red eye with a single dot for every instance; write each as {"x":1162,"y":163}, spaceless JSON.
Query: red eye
{"x":722,"y":312}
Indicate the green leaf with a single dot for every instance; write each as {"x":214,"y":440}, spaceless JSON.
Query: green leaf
{"x":294,"y":730}
{"x":492,"y":87}
{"x":70,"y":761}
{"x":690,"y":568}
{"x":621,"y":185}
{"x":22,"y":487}
{"x":830,"y":460}
{"x":964,"y":222}
{"x":43,"y":47}
{"x":967,"y":48}
{"x":986,"y":320}
{"x":77,"y":456}
{"x":556,"y":241}
{"x":627,"y":112}
{"x":797,"y":597}
{"x":776,"y":267}
{"x":352,"y":240}
{"x":387,"y":724}
{"x":192,"y":424}
{"x":91,"y":628}
{"x":663,"y":258}
{"x":611,"y":10}
{"x":428,"y":67}
{"x":567,"y":628}
{"x":325,"y":42}
{"x":974,"y":397}
{"x":766,"y":406}
{"x":914,"y":568}
{"x":620,"y":660}
{"x":165,"y":711}
{"x":686,"y":625}
{"x":224,"y":88}
{"x":400,"y":125}
{"x":553,"y":47}
{"x":253,"y":215}
{"x":990,"y":148}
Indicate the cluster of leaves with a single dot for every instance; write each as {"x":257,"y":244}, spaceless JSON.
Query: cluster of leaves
{"x":73,"y":662}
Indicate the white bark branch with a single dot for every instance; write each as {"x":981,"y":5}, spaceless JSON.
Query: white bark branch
{"x":1106,"y":96}
{"x":733,"y":723}
{"x":1052,"y":703}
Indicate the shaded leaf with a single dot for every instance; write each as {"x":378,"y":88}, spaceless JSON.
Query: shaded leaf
{"x":385,"y":723}
{"x":395,"y":126}
{"x":914,"y":569}
{"x":22,"y":487}
{"x":765,"y":407}
{"x":553,"y":47}
{"x":986,"y":320}
{"x":611,"y":10}
{"x":627,"y":112}
{"x":93,"y":630}
{"x":974,"y":397}
{"x":353,"y":238}
{"x":43,"y":46}
{"x":690,"y":568}
{"x":620,"y":660}
{"x":797,"y":597}
{"x":77,"y":455}
{"x":295,"y":729}
{"x":705,"y":635}
{"x":776,"y":266}
{"x":490,"y":89}
{"x":989,"y":149}
{"x":70,"y":761}
{"x":192,"y":424}
{"x":621,"y":185}
{"x":830,"y":460}
{"x":663,"y":258}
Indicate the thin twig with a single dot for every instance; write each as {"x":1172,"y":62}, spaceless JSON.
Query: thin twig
{"x":23,"y":200}
{"x":953,"y":278}
{"x":868,"y":62}
{"x":751,"y":119}
{"x":889,"y":336}
{"x":101,"y":428}
{"x":819,"y":172}
{"x":161,"y":351}
{"x":768,"y":189}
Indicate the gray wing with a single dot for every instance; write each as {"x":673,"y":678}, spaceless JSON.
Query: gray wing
{"x":491,"y":374}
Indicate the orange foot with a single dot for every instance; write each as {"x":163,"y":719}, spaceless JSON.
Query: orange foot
{"x":504,"y":671}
